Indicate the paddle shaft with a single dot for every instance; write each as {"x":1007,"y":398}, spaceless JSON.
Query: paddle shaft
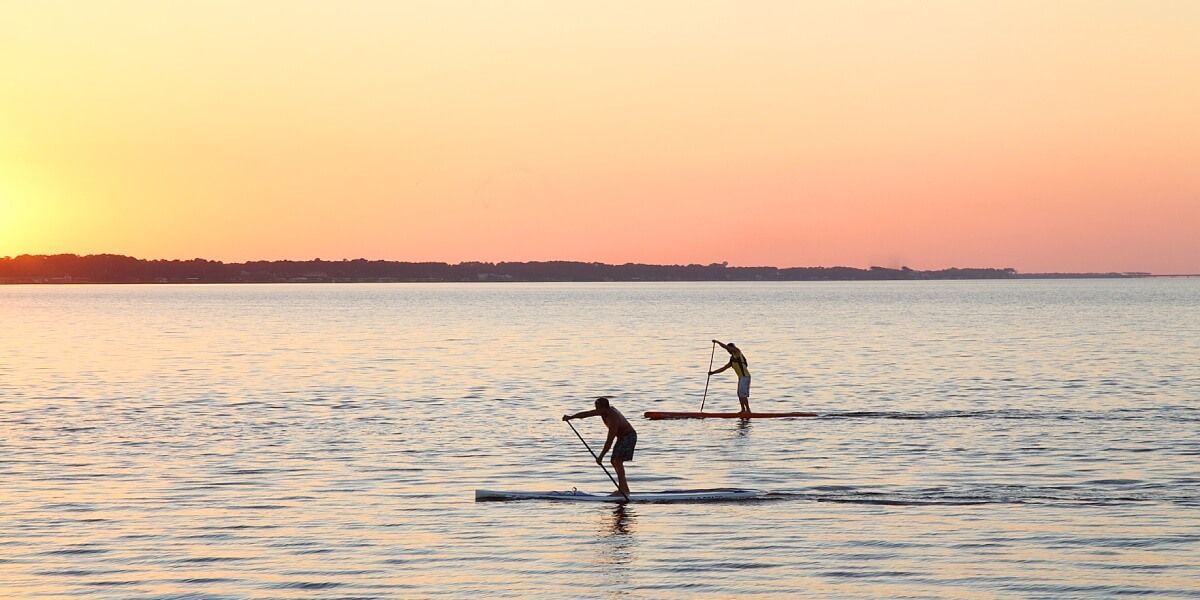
{"x":707,"y":379}
{"x":593,"y":453}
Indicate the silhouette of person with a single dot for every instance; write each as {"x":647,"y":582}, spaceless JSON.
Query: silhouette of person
{"x":619,"y":430}
{"x":738,"y":362}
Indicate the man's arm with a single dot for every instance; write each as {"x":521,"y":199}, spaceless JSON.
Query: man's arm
{"x":607,"y":444}
{"x":723,"y":346}
{"x":727,"y":365}
{"x":581,"y":415}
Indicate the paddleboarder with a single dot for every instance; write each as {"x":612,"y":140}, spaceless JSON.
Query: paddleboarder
{"x":620,"y":431}
{"x":737,"y":360}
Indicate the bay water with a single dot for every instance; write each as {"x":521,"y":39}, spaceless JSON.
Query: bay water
{"x":974,"y":439}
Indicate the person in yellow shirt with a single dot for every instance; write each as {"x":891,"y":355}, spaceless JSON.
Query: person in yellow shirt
{"x":737,"y":361}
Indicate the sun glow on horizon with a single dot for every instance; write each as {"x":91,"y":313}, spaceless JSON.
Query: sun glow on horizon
{"x":22,"y":215}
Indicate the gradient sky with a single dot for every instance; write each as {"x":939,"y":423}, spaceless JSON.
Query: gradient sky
{"x":1046,"y":136}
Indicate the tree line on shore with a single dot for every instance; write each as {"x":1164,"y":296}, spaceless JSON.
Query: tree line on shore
{"x":113,"y":268}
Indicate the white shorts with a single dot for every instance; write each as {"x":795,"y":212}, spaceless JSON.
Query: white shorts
{"x":744,"y":387}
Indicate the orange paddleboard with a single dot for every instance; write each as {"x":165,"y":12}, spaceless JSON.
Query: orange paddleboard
{"x":725,"y":415}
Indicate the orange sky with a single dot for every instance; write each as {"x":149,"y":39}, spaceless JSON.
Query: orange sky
{"x":1044,"y":136}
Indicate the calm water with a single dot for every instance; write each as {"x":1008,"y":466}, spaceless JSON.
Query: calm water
{"x":976,"y":439}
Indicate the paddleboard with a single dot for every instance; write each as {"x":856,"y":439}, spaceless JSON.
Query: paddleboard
{"x":725,"y":415}
{"x":713,"y":495}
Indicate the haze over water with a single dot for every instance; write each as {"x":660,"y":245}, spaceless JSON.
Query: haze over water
{"x":975,"y":439}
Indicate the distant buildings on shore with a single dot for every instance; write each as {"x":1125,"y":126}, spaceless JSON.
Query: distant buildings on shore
{"x":112,"y":268}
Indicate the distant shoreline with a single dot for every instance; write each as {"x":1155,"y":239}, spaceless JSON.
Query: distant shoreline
{"x":68,"y":269}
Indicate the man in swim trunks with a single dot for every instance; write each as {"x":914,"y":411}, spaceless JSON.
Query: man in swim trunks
{"x":619,"y":430}
{"x":737,"y":360}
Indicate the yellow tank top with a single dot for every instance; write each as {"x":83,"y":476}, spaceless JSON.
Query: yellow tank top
{"x":740,"y":366}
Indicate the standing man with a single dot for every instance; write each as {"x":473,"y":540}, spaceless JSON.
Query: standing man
{"x":737,"y":360}
{"x":619,"y":430}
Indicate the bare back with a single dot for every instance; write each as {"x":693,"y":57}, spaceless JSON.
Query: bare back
{"x":617,"y":424}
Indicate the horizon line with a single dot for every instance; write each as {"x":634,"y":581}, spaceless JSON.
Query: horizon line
{"x":722,"y":264}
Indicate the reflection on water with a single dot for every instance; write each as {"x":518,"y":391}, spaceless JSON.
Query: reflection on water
{"x":616,"y":545}
{"x":622,"y":520}
{"x":743,"y":427}
{"x":618,"y":539}
{"x":976,"y":439}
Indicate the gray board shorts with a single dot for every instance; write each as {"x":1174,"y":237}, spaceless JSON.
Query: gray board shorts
{"x":623,"y":448}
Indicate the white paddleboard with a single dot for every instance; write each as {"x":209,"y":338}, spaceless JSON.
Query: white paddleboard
{"x":713,"y":495}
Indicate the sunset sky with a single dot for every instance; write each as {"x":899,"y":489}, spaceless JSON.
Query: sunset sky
{"x":1046,"y":136}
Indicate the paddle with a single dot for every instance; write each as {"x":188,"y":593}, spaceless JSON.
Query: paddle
{"x":710,"y":361}
{"x":610,"y":477}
